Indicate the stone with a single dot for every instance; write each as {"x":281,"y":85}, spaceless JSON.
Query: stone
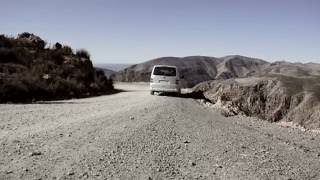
{"x":35,"y":153}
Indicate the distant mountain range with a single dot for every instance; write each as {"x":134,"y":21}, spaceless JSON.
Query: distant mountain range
{"x":197,"y":69}
{"x":107,"y":72}
{"x":112,"y":67}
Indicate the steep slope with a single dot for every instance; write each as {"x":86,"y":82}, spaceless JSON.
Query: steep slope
{"x":31,"y":72}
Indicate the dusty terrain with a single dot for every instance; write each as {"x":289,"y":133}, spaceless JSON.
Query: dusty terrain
{"x":135,"y":135}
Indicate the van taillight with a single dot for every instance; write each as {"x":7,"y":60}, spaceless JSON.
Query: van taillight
{"x":151,"y":80}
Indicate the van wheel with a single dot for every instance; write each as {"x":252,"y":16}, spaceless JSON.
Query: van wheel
{"x":152,"y":92}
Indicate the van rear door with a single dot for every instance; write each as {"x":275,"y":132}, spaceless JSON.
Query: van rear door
{"x":165,"y":75}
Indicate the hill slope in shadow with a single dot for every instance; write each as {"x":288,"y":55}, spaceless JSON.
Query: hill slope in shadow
{"x":30,"y":71}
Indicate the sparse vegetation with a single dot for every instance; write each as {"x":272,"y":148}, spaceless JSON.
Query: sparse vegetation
{"x":31,"y":72}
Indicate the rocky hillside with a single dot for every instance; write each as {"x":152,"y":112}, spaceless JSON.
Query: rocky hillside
{"x":30,"y":71}
{"x":273,"y":98}
{"x":289,"y":69}
{"x":198,"y":69}
{"x":238,"y":66}
{"x":195,"y":69}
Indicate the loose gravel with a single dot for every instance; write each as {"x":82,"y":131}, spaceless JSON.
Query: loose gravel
{"x":133,"y":135}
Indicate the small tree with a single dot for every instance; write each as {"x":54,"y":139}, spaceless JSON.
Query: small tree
{"x":24,"y":35}
{"x":35,"y":40}
{"x":82,"y":53}
{"x":67,"y":50}
{"x":5,"y":41}
{"x":58,"y":45}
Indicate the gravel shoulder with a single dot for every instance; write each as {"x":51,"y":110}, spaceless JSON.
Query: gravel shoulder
{"x":133,"y":135}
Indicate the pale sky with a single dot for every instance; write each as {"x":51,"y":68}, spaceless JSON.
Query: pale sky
{"x":133,"y":31}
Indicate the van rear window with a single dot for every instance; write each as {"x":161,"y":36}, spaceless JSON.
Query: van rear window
{"x":164,"y":71}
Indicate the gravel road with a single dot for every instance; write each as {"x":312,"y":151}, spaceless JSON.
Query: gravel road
{"x":133,"y":135}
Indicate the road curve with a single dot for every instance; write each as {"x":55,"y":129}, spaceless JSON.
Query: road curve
{"x":133,"y":135}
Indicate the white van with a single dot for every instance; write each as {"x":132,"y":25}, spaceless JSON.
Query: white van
{"x":165,"y":79}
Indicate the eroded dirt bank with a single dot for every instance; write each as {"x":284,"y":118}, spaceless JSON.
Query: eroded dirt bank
{"x":136,"y":135}
{"x":273,"y":98}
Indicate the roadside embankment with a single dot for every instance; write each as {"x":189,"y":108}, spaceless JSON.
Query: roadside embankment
{"x":276,"y":98}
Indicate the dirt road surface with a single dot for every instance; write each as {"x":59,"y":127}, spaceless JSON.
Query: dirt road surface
{"x":133,"y":135}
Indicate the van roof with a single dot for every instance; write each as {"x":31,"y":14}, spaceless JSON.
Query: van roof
{"x":164,"y":66}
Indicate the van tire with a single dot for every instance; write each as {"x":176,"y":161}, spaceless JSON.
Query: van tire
{"x":152,"y":92}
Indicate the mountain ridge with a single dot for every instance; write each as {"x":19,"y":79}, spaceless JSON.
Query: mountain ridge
{"x":197,"y":69}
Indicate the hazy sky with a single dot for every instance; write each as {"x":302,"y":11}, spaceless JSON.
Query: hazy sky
{"x":132,"y":31}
